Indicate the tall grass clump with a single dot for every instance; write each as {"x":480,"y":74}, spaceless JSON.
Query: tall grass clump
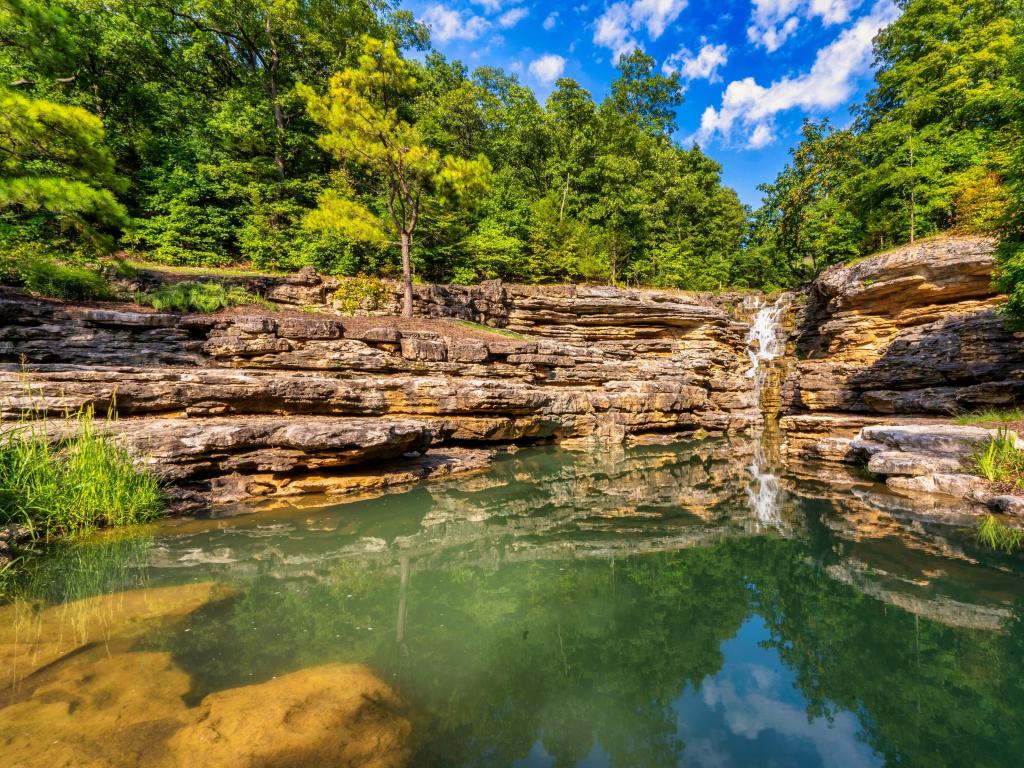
{"x":207,"y":296}
{"x":1001,"y":462}
{"x":74,"y":484}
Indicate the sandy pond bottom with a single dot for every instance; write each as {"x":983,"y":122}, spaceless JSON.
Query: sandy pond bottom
{"x":651,"y":606}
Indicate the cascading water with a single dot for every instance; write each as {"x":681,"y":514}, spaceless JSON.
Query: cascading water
{"x":766,"y":340}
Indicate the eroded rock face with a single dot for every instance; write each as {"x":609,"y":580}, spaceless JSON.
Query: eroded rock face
{"x":913,"y":331}
{"x":258,"y":403}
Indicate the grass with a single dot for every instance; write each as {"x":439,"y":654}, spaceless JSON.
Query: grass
{"x":1001,"y":462}
{"x":999,"y":536}
{"x":73,"y":485}
{"x":489,"y":329}
{"x":152,"y":266}
{"x":991,"y":416}
{"x":199,"y":297}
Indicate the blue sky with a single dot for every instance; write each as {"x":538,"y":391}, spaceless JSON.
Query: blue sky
{"x":753,"y":70}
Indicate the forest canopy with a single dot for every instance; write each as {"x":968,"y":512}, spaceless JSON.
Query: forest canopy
{"x":201,"y":133}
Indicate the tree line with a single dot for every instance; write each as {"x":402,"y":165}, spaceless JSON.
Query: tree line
{"x":328,"y":133}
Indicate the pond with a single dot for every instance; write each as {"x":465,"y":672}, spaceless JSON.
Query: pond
{"x":649,"y":606}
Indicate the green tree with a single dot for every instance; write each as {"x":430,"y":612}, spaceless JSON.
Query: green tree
{"x":361,"y":115}
{"x":56,"y":175}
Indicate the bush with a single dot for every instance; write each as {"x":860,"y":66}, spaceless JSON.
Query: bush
{"x":199,"y":297}
{"x":72,"y":485}
{"x":61,"y":281}
{"x":361,"y":293}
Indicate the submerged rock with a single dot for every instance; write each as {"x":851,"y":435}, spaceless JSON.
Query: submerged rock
{"x":32,"y":639}
{"x":332,"y":715}
{"x":97,"y":710}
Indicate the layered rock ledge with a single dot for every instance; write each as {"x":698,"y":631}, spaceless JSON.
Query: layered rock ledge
{"x":254,"y":403}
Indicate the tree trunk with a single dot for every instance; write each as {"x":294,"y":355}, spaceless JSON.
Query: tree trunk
{"x":275,"y":60}
{"x":406,"y":274}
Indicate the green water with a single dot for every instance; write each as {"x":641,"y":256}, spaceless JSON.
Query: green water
{"x":645,"y":607}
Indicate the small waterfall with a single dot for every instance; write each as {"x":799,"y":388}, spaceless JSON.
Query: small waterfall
{"x":766,"y":341}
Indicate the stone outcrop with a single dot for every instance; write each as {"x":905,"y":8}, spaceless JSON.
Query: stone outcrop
{"x":927,"y":458}
{"x":256,"y":403}
{"x":912,"y":331}
{"x":251,"y":402}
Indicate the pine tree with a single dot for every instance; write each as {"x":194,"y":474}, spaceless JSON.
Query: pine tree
{"x":361,"y":113}
{"x":56,"y":171}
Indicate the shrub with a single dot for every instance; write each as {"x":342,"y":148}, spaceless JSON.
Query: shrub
{"x":74,"y":484}
{"x":206,"y":297}
{"x":48,"y":278}
{"x":360,"y":293}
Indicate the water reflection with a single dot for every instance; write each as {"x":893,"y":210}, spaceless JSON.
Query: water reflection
{"x":628,"y":607}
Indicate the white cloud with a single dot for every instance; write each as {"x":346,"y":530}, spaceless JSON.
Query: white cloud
{"x":751,"y":108}
{"x":703,"y":66}
{"x":448,"y":24}
{"x":491,"y":6}
{"x":772,"y":22}
{"x":615,"y":28}
{"x":551,"y":20}
{"x":511,"y":17}
{"x":762,"y":135}
{"x":547,"y":68}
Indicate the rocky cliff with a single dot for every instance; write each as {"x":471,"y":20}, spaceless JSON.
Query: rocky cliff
{"x":912,"y":335}
{"x":303,"y":399}
{"x":257,"y":403}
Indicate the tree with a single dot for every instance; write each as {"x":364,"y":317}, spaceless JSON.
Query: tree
{"x":55,"y":169}
{"x":362,"y":115}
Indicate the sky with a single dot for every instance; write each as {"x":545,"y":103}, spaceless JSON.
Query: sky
{"x":752,"y":71}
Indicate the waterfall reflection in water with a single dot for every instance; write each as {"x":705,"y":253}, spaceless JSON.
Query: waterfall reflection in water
{"x":622,"y":607}
{"x":766,"y":342}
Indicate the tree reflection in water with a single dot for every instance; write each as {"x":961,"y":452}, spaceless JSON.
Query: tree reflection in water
{"x":629,"y":608}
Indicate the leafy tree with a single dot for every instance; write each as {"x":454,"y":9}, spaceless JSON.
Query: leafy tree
{"x":361,"y":115}
{"x":55,"y":174}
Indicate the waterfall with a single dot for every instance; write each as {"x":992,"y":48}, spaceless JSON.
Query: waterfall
{"x":766,"y":340}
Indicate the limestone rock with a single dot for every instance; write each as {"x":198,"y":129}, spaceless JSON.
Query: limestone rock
{"x":332,"y":715}
{"x":905,"y":463}
{"x":949,"y":440}
{"x":958,"y":485}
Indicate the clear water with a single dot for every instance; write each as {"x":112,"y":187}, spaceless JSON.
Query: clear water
{"x":637,"y":607}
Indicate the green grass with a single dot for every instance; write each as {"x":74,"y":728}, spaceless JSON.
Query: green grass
{"x":997,"y":535}
{"x":61,"y":281}
{"x":1001,"y":462}
{"x":151,"y":266}
{"x":73,"y":485}
{"x":991,"y":416}
{"x":199,"y":297}
{"x":489,"y":329}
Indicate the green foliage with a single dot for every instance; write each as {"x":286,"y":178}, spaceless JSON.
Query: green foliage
{"x":226,"y":163}
{"x":205,"y":296}
{"x":1001,"y":461}
{"x":928,"y":151}
{"x":61,"y":281}
{"x":56,"y":176}
{"x":72,"y":485}
{"x":991,"y":415}
{"x":361,"y":293}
